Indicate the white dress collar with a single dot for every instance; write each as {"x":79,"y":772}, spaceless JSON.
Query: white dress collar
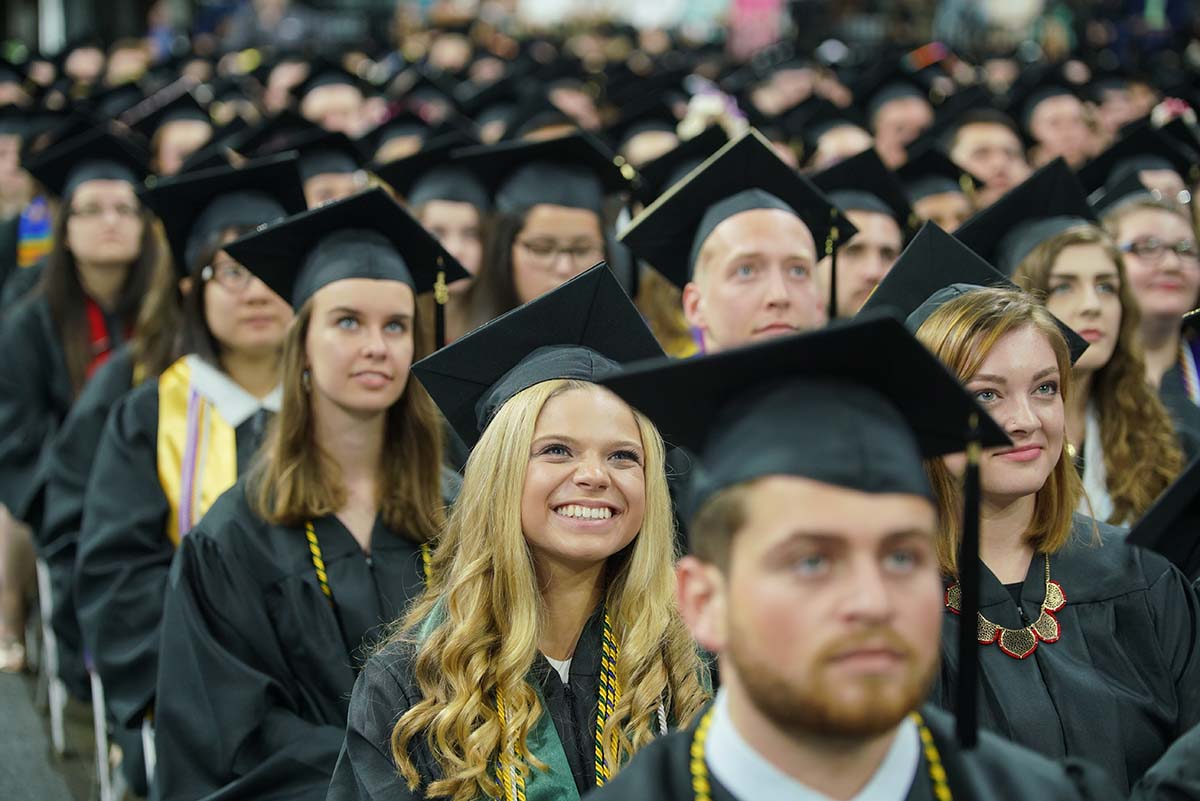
{"x":234,"y":404}
{"x":749,"y":776}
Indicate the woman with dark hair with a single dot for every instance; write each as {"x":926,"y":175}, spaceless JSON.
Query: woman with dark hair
{"x":105,"y":258}
{"x":549,"y":224}
{"x":451,"y":202}
{"x":295,"y":571}
{"x":179,"y":440}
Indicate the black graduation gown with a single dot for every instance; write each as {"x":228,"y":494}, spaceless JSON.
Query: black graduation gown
{"x":386,"y":689}
{"x":1121,"y":683}
{"x":125,"y":553}
{"x":1184,"y":414}
{"x":20,"y":284}
{"x":9,"y":235}
{"x":35,"y":394}
{"x":69,"y":464}
{"x":995,"y":769}
{"x":257,"y":665}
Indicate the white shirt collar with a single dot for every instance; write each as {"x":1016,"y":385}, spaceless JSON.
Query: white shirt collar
{"x":749,"y":776}
{"x":234,"y":404}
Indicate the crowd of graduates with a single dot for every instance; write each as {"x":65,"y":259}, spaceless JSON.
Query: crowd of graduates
{"x":515,"y":413}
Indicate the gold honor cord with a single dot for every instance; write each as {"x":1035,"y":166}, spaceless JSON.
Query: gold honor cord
{"x":610,"y":693}
{"x":318,"y":561}
{"x":702,"y":788}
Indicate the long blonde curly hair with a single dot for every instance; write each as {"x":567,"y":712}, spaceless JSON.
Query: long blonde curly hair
{"x":488,"y":615}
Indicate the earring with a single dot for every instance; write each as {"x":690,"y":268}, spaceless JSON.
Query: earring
{"x":306,"y":381}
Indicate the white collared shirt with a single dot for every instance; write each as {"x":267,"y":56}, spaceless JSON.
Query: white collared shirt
{"x":234,"y":404}
{"x":750,"y":777}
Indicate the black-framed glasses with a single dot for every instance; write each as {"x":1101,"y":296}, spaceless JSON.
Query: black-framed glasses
{"x":545,"y":253}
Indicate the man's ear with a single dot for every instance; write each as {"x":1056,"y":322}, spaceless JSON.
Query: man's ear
{"x":693,"y":306}
{"x":701,"y":593}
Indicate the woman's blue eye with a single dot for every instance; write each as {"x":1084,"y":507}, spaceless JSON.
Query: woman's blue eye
{"x":1048,"y":388}
{"x":628,"y":456}
{"x":902,"y":560}
{"x":800,"y":271}
{"x":395,"y":326}
{"x":1060,"y":289}
{"x":812,"y":565}
{"x":1107,"y":287}
{"x":985,"y":395}
{"x":347,"y":322}
{"x":555,"y":450}
{"x":744,"y":271}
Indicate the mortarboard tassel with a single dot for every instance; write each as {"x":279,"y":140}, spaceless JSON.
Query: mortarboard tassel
{"x":440,"y":295}
{"x":831,"y":252}
{"x":968,"y":582}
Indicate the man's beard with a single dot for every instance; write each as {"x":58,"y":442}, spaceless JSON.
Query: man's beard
{"x":813,"y":703}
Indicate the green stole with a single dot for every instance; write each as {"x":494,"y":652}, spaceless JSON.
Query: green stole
{"x":557,"y":782}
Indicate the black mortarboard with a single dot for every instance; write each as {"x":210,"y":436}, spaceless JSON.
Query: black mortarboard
{"x":533,"y":112}
{"x":743,"y":175}
{"x":645,"y":115}
{"x":660,"y":174}
{"x":574,"y":171}
{"x":324,"y":152}
{"x":815,"y":117}
{"x":97,"y":155}
{"x":196,"y":206}
{"x":111,"y":103}
{"x":1128,"y":189}
{"x":12,"y":72}
{"x":1142,"y":149}
{"x":931,"y":172}
{"x":858,"y":404}
{"x":431,"y":174}
{"x":1185,"y":134}
{"x":183,"y":107}
{"x":1026,"y":96}
{"x":14,"y":121}
{"x":326,"y":73}
{"x":885,"y":85}
{"x":863,"y":183}
{"x":1170,"y":525}
{"x":273,"y":135}
{"x":404,"y":124}
{"x":214,"y":154}
{"x":366,"y":235}
{"x":1047,"y":203}
{"x":581,"y":330}
{"x":934,"y":269}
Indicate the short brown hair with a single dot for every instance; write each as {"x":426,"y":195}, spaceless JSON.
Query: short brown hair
{"x":719,"y":520}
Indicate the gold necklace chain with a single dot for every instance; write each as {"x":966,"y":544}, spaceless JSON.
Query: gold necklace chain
{"x":702,"y":787}
{"x":608,"y":696}
{"x":1018,"y":643}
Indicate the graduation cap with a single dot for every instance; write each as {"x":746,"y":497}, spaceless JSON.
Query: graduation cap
{"x":273,"y":135}
{"x":433,"y":174}
{"x":662,"y":173}
{"x":1143,"y":149}
{"x":743,"y":175}
{"x":183,"y":107}
{"x":931,"y":172}
{"x":366,"y":235}
{"x":1025,"y":97}
{"x":214,"y":154}
{"x":534,"y":112}
{"x":94,"y":156}
{"x":111,"y":103}
{"x":326,"y":73}
{"x":652,"y":114}
{"x":886,"y":84}
{"x":815,"y":117}
{"x":818,"y":406}
{"x":325,"y":152}
{"x":404,"y":124}
{"x":574,"y":171}
{"x":1127,"y":190}
{"x":863,"y":183}
{"x":582,"y":330}
{"x":1170,"y":525}
{"x":1047,"y":203}
{"x":12,"y":72}
{"x":14,"y":121}
{"x":195,"y":206}
{"x":934,"y":269}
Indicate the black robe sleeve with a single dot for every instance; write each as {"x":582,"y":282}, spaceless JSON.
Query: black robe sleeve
{"x":124,"y":555}
{"x":1185,"y":415}
{"x":34,"y":396}
{"x":228,"y":722}
{"x":69,"y":464}
{"x":9,"y":230}
{"x":365,"y":769}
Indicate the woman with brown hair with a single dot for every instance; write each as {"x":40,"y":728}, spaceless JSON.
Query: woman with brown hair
{"x":547,"y":649}
{"x":275,"y":594}
{"x":105,"y":257}
{"x":171,"y":446}
{"x":1079,"y":633}
{"x":1117,"y":429}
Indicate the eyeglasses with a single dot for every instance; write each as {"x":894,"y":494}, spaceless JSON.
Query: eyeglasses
{"x":228,"y":274}
{"x":1153,"y":249}
{"x":92,"y":211}
{"x":546,"y":253}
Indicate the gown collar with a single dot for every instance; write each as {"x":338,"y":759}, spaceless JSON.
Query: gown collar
{"x":235,"y":404}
